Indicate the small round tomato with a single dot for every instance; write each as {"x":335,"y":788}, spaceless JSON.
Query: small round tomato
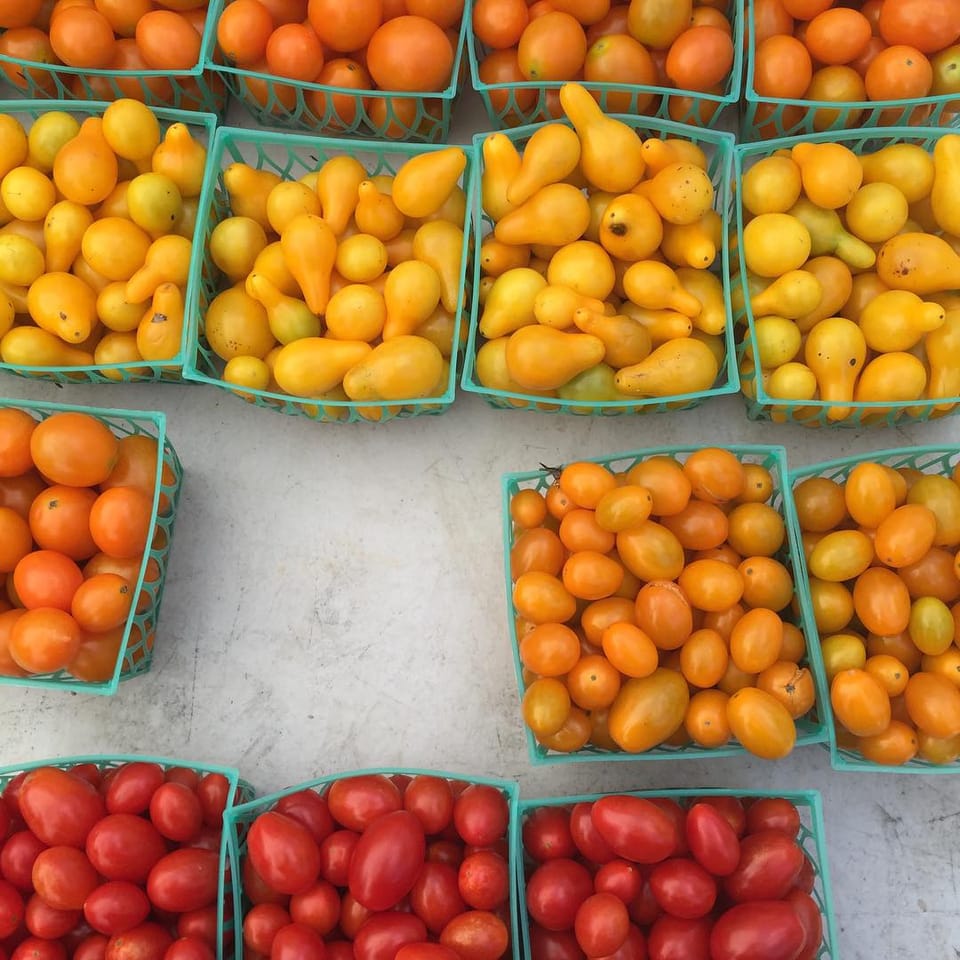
{"x":335,"y":854}
{"x":555,"y":892}
{"x":185,"y":879}
{"x":601,"y":924}
{"x":214,"y":793}
{"x":263,"y":922}
{"x":283,"y":852}
{"x":149,"y":941}
{"x":672,"y":938}
{"x":770,"y":862}
{"x":355,"y":802}
{"x":33,"y":948}
{"x":481,"y":815}
{"x":124,"y":847}
{"x":310,"y":809}
{"x":385,"y":933}
{"x":636,"y":829}
{"x":17,"y":857}
{"x":621,"y":878}
{"x":176,"y":812}
{"x":64,"y":877}
{"x":547,"y":835}
{"x":11,"y":909}
{"x":115,"y":907}
{"x":189,"y":948}
{"x":476,"y":935}
{"x":767,"y":928}
{"x":773,"y":813}
{"x":430,"y":800}
{"x":484,"y":880}
{"x":435,"y":897}
{"x":683,"y":888}
{"x":48,"y":923}
{"x":200,"y":924}
{"x":132,"y":786}
{"x":587,"y":838}
{"x":297,"y":942}
{"x":317,"y":908}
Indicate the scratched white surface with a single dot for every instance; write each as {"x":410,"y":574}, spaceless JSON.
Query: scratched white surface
{"x":335,"y":600}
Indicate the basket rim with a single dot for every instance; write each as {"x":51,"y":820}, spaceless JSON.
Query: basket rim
{"x":542,"y":756}
{"x":449,"y":92}
{"x":763,"y":401}
{"x":158,"y":421}
{"x":723,"y":141}
{"x":227,"y":136}
{"x":841,"y":759}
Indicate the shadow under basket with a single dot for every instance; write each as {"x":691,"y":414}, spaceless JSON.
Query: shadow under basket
{"x":136,"y":647}
{"x":821,"y":413}
{"x":811,"y":839}
{"x":515,"y":104}
{"x":343,"y":111}
{"x":936,"y":461}
{"x":810,"y":729}
{"x":291,"y":156}
{"x":718,"y":147}
{"x":237,"y":821}
{"x":239,"y":791}
{"x":201,"y":126}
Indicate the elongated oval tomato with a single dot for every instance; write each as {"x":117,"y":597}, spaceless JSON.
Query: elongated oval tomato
{"x":124,"y":847}
{"x":184,"y":880}
{"x":635,"y":828}
{"x":59,"y":808}
{"x":768,"y":928}
{"x":356,"y":802}
{"x":310,"y":809}
{"x":387,"y":859}
{"x":283,"y":853}
{"x":712,"y":840}
{"x":770,"y":863}
{"x":116,"y":906}
{"x":555,"y":892}
{"x":385,"y":933}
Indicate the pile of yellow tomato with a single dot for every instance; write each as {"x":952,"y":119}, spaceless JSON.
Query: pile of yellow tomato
{"x":596,"y":280}
{"x":849,"y":263}
{"x":342,"y":285}
{"x":98,"y":221}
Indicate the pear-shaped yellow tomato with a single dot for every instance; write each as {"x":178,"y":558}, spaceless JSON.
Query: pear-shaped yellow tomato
{"x":315,"y":365}
{"x":542,"y":358}
{"x":63,"y":305}
{"x":404,"y":368}
{"x":236,"y":325}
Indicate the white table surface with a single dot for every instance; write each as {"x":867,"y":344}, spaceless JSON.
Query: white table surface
{"x":335,"y":600}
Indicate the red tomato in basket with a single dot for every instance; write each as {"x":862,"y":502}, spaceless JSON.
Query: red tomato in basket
{"x":149,"y":941}
{"x":64,"y":877}
{"x":553,"y":944}
{"x":773,"y":813}
{"x":11,"y":909}
{"x":387,"y":860}
{"x":769,"y":929}
{"x":132,"y":786}
{"x":770,"y":863}
{"x":635,"y":828}
{"x":484,"y":880}
{"x":91,"y":947}
{"x":189,"y":948}
{"x":124,"y":847}
{"x":48,"y":923}
{"x":555,"y":891}
{"x":317,"y":908}
{"x":587,"y":838}
{"x":175,"y":811}
{"x":17,"y":858}
{"x":385,"y":933}
{"x":430,"y":800}
{"x":310,"y":809}
{"x":683,"y":889}
{"x":335,"y":855}
{"x":200,"y":924}
{"x":547,"y":834}
{"x":263,"y":922}
{"x":58,"y":807}
{"x":356,"y":802}
{"x":283,"y":853}
{"x":214,"y":794}
{"x":435,"y":897}
{"x":481,"y":815}
{"x":601,"y":925}
{"x":672,"y":938}
{"x":116,"y":906}
{"x":711,"y":839}
{"x":476,"y":935}
{"x":33,"y":948}
{"x":808,"y":913}
{"x":185,"y":879}
{"x":297,"y":942}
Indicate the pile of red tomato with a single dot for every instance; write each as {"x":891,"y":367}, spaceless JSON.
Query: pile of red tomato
{"x":631,"y":878}
{"x":380,"y":867}
{"x":76,"y":514}
{"x":113,"y":864}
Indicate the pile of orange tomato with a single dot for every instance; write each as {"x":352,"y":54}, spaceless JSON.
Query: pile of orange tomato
{"x":653,"y":608}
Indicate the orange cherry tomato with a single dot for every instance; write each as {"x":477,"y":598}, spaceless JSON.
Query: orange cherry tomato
{"x":706,"y":718}
{"x":893,"y":747}
{"x":881,"y":601}
{"x":699,"y":526}
{"x":630,"y":650}
{"x":601,"y":614}
{"x":711,"y":585}
{"x":761,"y":723}
{"x":44,"y":578}
{"x":589,"y":575}
{"x":933,"y":704}
{"x":663,"y":613}
{"x":593,"y":682}
{"x":579,"y":530}
{"x":538,"y":549}
{"x":715,"y":475}
{"x":766,"y":583}
{"x":666,"y":481}
{"x":791,"y":685}
{"x":860,"y":703}
{"x":756,"y":640}
{"x":542,"y":598}
{"x":704,"y":658}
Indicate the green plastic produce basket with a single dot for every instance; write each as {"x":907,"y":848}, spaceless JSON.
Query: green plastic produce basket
{"x":514,"y":104}
{"x":291,"y":156}
{"x":812,"y":839}
{"x":813,"y":413}
{"x":195,"y":89}
{"x":718,"y":147}
{"x":202,"y":126}
{"x":342,"y":111}
{"x":238,"y":819}
{"x":240,"y":792}
{"x":764,"y":118}
{"x":136,"y":648}
{"x":810,"y":729}
{"x":938,"y":461}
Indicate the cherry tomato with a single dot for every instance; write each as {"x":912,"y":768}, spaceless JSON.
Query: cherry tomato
{"x":435,"y":897}
{"x":808,"y":913}
{"x":385,"y":933}
{"x":189,"y":948}
{"x":773,"y":813}
{"x":310,"y":809}
{"x":635,"y":828}
{"x":555,"y":891}
{"x":712,"y":840}
{"x":387,"y":859}
{"x":601,"y":924}
{"x":124,"y":847}
{"x":621,"y":878}
{"x":58,"y":807}
{"x":335,"y":854}
{"x":765,"y":928}
{"x":476,"y":935}
{"x":355,"y":802}
{"x":176,"y":812}
{"x":214,"y":794}
{"x":481,"y":815}
{"x":47,"y":922}
{"x":263,"y":922}
{"x":185,"y":879}
{"x":186,"y":776}
{"x":149,"y":941}
{"x":17,"y":858}
{"x":445,"y":851}
{"x":672,"y":938}
{"x":297,"y":942}
{"x":679,"y":817}
{"x":33,"y":948}
{"x":115,"y":907}
{"x":353,"y":916}
{"x":64,"y":877}
{"x":769,"y":864}
{"x":132,"y":786}
{"x":587,"y":838}
{"x":546,"y":834}
{"x":91,"y":947}
{"x":553,"y":944}
{"x":200,"y":924}
{"x":731,"y":809}
{"x":633,"y":948}
{"x":283,"y":852}
{"x":318,"y":907}
{"x":683,"y":888}
{"x":425,"y":951}
{"x":11,"y":909}
{"x":484,"y":880}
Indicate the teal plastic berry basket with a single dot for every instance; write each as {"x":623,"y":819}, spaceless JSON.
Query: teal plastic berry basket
{"x":816,"y":413}
{"x":291,"y":156}
{"x":938,"y":461}
{"x":342,"y":111}
{"x":196,"y":89}
{"x":812,"y":840}
{"x":237,"y":821}
{"x":515,"y":104}
{"x":136,"y":645}
{"x":810,"y":729}
{"x":201,"y":126}
{"x":239,"y":792}
{"x":719,"y":150}
{"x":766,"y":118}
